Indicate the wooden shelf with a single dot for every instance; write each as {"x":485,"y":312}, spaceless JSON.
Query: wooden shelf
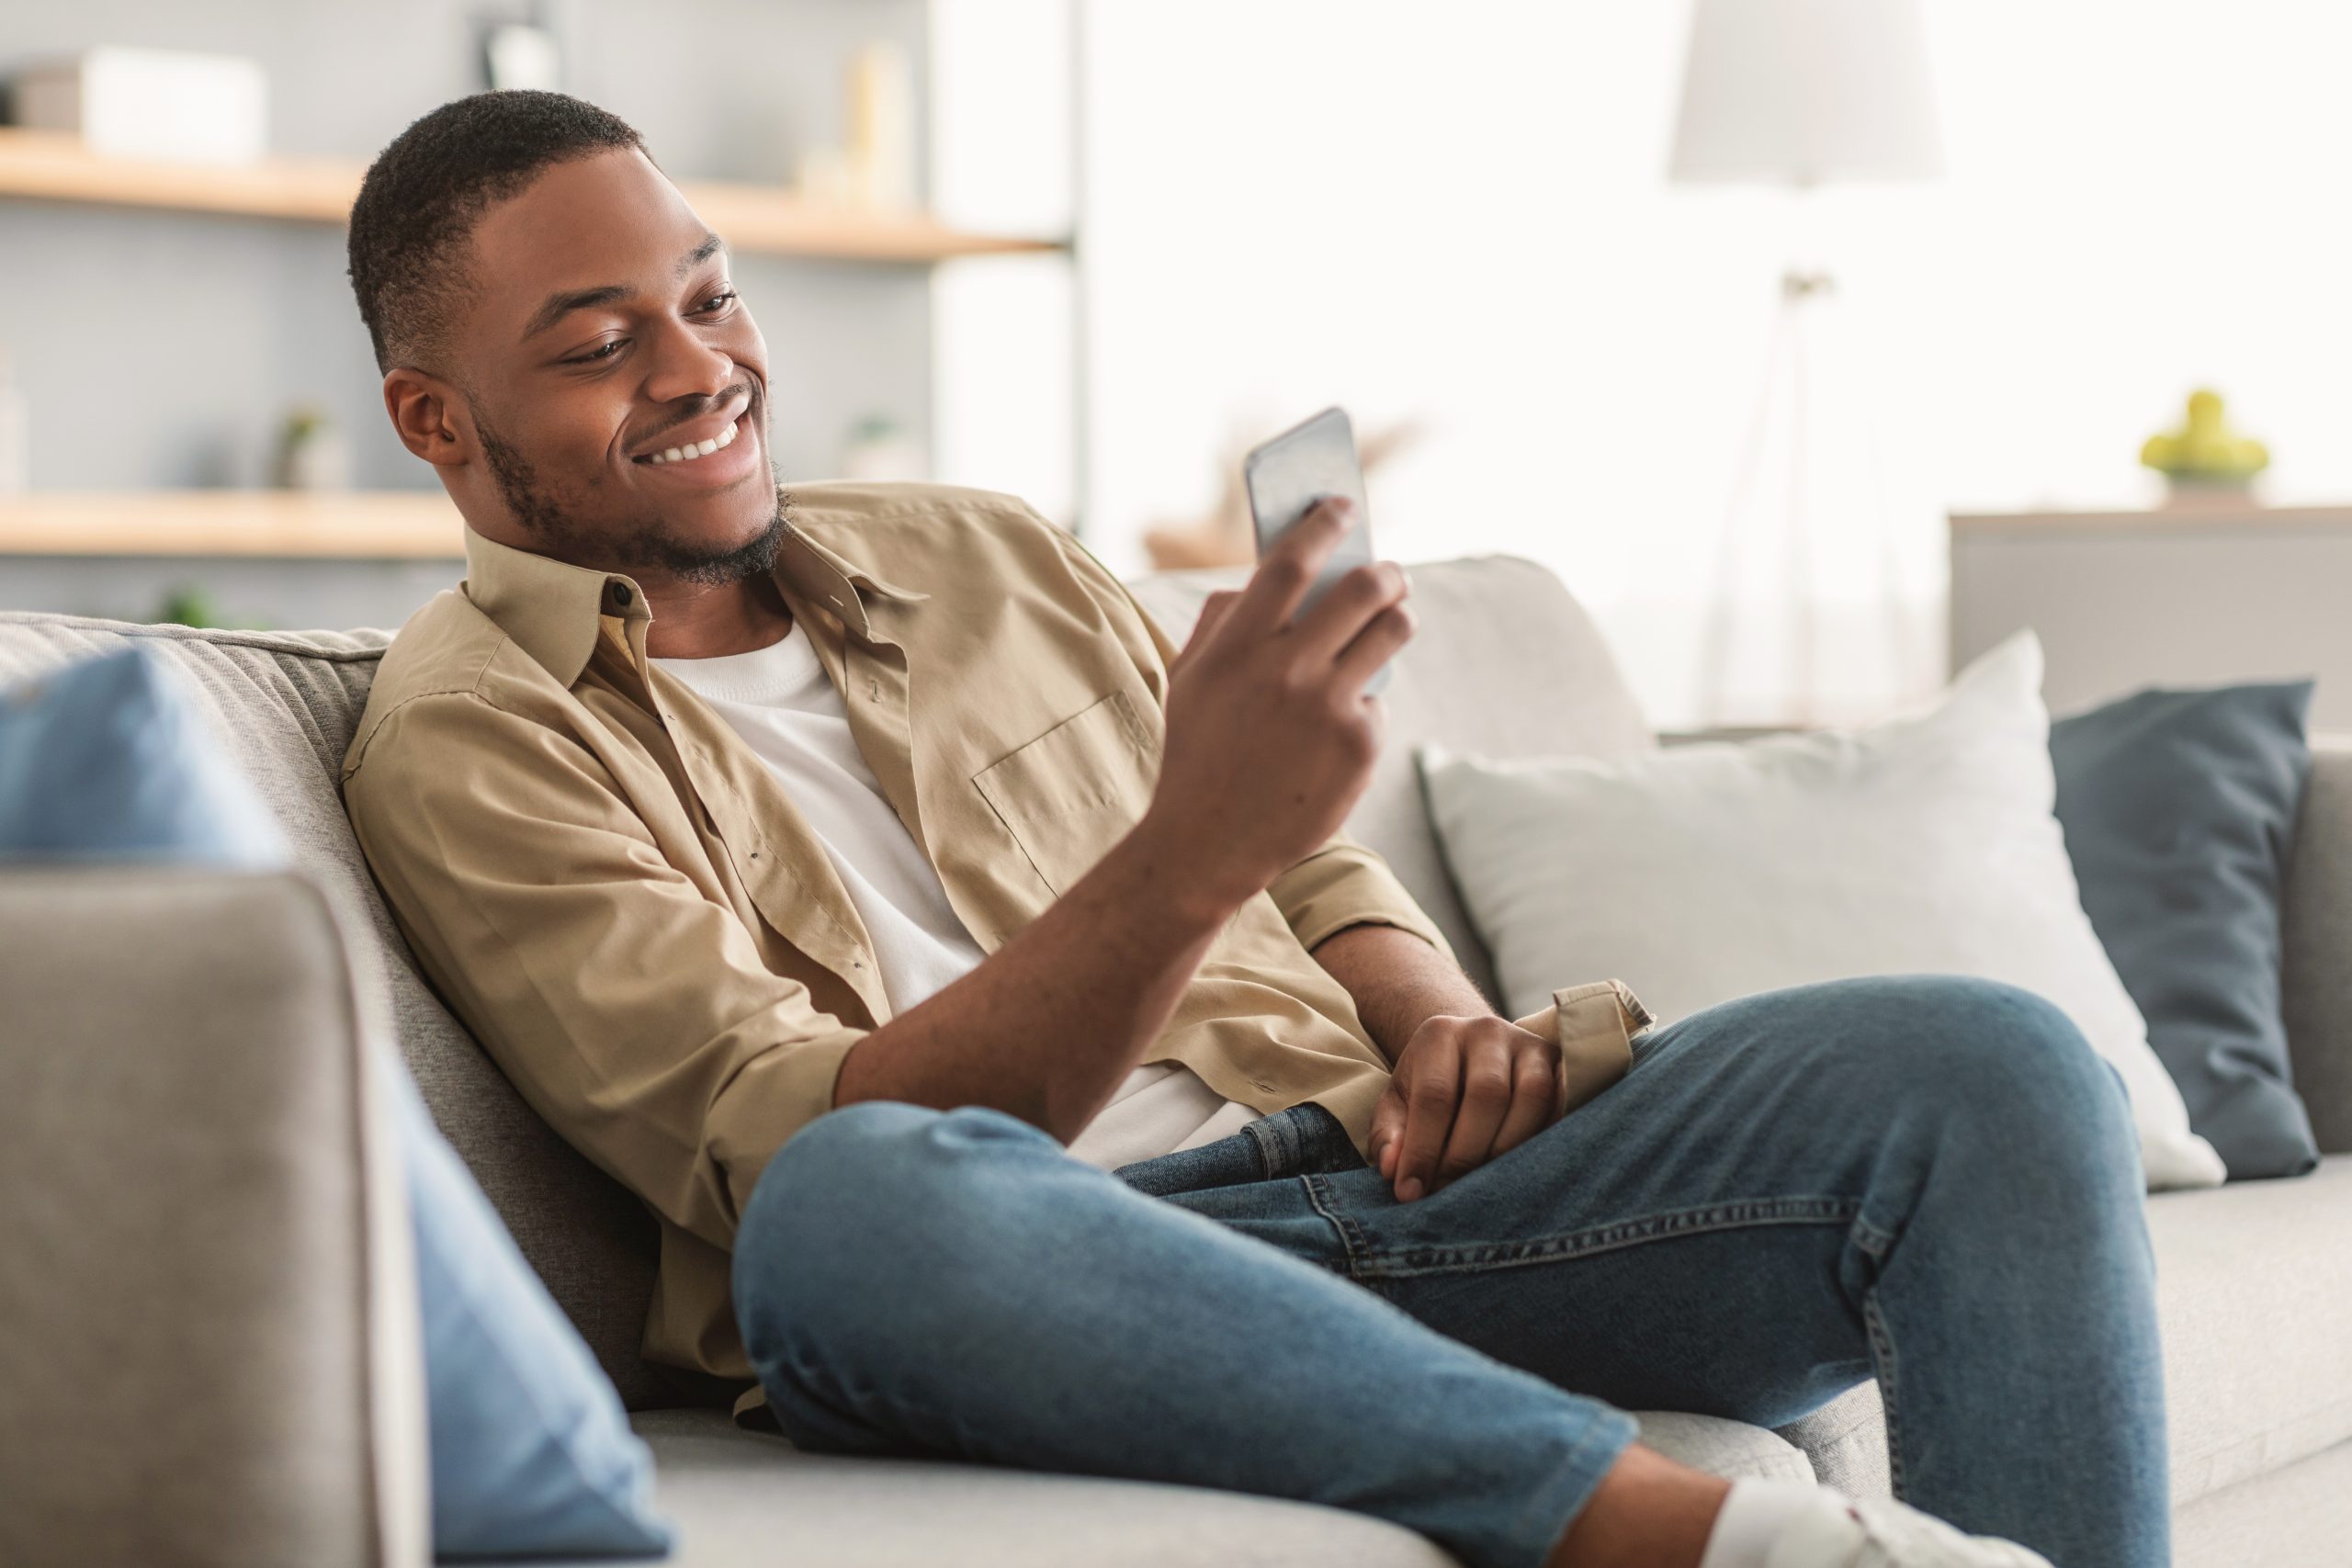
{"x":352,"y":525}
{"x":52,"y":166}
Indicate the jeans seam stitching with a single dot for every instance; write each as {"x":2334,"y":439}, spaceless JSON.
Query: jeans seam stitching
{"x":1883,"y":1352}
{"x":1872,"y":1240}
{"x":1615,"y":1237}
{"x":1351,"y":1239}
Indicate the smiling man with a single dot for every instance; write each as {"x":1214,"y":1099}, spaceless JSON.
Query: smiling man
{"x":1022,"y":1066}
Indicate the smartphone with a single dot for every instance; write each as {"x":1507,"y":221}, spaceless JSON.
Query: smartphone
{"x":1289,"y":474}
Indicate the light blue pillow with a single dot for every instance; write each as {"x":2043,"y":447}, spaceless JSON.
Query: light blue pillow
{"x":101,"y":760}
{"x":532,"y":1453}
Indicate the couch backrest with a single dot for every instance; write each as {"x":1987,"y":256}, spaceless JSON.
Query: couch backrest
{"x":1506,"y":664}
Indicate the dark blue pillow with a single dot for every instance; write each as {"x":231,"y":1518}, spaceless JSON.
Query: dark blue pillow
{"x":532,"y":1454}
{"x":2179,"y":813}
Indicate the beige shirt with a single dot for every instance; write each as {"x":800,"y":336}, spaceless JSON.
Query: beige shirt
{"x":779,"y":699}
{"x":614,"y":893}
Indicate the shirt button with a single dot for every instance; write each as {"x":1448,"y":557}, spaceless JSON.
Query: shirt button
{"x":621,"y":594}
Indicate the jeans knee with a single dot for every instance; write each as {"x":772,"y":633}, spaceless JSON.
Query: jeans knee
{"x":855,"y":1211}
{"x":2017,"y":1062}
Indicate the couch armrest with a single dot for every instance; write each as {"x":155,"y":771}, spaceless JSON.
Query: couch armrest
{"x":207,"y":1329}
{"x":2319,"y":946}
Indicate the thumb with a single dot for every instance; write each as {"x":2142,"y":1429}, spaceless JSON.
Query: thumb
{"x":1387,"y":1126}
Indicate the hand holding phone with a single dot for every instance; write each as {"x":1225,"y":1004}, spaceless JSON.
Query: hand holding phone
{"x":1268,"y":739}
{"x":1286,"y":477}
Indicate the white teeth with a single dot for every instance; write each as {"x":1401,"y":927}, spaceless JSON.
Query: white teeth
{"x":699,"y":450}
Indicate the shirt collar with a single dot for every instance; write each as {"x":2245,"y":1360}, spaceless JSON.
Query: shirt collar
{"x":824,"y":576}
{"x":554,"y":609}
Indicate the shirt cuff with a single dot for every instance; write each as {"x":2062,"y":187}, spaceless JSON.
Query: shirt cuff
{"x":1344,"y":885}
{"x":788,"y":1088}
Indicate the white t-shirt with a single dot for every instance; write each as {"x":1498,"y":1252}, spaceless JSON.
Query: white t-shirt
{"x":779,"y":700}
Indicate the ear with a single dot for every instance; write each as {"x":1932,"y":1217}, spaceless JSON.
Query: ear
{"x":428,"y":416}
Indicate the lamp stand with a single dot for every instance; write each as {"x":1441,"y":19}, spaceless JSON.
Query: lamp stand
{"x":1805,"y":293}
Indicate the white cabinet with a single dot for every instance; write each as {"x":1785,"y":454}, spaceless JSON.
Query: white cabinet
{"x":2190,"y":596}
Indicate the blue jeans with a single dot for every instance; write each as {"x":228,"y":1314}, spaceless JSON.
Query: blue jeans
{"x":1932,"y":1181}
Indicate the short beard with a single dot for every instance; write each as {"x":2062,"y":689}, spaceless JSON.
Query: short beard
{"x":644,"y":546}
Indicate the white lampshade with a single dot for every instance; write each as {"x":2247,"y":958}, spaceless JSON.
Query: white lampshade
{"x":1798,"y":92}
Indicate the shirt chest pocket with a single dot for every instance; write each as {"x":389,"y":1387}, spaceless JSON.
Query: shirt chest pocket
{"x":1073,"y":792}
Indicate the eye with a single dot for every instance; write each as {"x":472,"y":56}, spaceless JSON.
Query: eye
{"x":607,"y":352}
{"x":717,"y":301}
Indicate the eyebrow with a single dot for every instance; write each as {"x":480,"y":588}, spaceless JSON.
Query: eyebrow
{"x":560,"y":305}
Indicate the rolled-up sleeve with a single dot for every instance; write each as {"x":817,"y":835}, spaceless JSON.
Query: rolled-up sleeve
{"x":1344,"y":885}
{"x":630,"y":1008}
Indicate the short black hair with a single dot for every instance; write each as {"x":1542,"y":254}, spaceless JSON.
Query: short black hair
{"x":425,"y":192}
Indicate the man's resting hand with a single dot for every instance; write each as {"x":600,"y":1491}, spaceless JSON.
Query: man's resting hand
{"x":1466,"y":1090}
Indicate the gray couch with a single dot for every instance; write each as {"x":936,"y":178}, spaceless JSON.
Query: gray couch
{"x":202,"y":1331}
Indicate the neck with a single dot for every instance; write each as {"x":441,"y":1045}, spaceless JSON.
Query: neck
{"x":695,"y":620}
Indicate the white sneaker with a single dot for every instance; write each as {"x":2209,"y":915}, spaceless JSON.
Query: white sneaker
{"x":1879,"y":1532}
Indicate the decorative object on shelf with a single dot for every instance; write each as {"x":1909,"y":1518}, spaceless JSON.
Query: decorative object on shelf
{"x":2204,"y":453}
{"x":193,"y":604}
{"x":151,"y":103}
{"x":873,"y":169}
{"x":16,"y":434}
{"x":878,"y":447}
{"x":312,"y":453}
{"x":1796,"y":94}
{"x":187,"y":606}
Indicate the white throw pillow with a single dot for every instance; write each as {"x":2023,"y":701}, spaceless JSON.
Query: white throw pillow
{"x":1704,"y":873}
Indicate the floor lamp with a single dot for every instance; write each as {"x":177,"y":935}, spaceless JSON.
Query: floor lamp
{"x":1796,"y":94}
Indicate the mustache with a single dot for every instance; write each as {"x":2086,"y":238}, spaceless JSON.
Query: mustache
{"x":703,"y":403}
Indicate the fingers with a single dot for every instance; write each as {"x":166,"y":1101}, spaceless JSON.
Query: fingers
{"x":1289,"y":569}
{"x":1214,"y":610}
{"x":1486,"y":1101}
{"x":1387,"y":1127}
{"x":1429,"y":1099}
{"x":1379,"y":641}
{"x":1467,"y":1091}
{"x":1354,"y":603}
{"x":1535,"y":1096}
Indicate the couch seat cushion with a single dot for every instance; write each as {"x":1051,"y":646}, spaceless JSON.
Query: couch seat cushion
{"x":743,"y":1498}
{"x":2253,"y":1282}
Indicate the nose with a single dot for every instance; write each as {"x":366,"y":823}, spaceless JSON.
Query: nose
{"x":683,"y":364}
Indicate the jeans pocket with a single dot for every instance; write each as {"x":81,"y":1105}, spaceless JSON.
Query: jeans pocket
{"x":1305,"y":1140}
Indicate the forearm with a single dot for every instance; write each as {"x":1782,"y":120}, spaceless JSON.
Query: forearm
{"x":1398,"y":981}
{"x":1050,"y":1023}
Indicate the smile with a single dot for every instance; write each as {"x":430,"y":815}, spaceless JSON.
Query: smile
{"x":693,"y":450}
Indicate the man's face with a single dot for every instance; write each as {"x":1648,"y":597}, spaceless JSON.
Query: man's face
{"x":601,"y":346}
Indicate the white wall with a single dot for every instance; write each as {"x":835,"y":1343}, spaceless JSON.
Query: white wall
{"x":1458,"y":213}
